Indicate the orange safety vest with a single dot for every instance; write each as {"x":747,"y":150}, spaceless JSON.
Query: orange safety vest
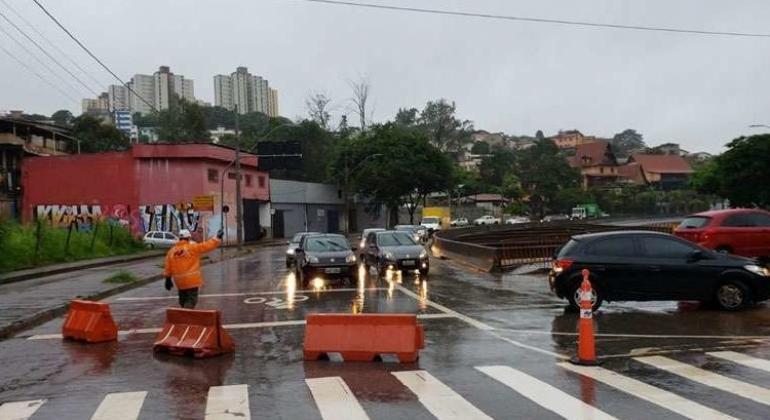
{"x":183,"y":262}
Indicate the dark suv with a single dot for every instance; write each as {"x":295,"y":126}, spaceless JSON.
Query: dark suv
{"x":644,"y":266}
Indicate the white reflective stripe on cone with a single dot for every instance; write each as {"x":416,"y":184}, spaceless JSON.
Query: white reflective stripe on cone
{"x":661,"y":397}
{"x":19,"y":410}
{"x":543,"y":394}
{"x":335,"y":400}
{"x":438,"y":398}
{"x":120,"y":406}
{"x":228,"y":402}
{"x":733,"y":386}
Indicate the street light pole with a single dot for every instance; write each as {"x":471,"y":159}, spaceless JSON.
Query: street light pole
{"x":238,"y":204}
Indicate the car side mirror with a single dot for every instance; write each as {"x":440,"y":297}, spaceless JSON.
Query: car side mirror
{"x":696,"y":256}
{"x":298,"y":251}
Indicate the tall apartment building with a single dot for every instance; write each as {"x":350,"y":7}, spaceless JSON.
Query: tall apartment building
{"x":246,"y":91}
{"x":98,"y":105}
{"x":159,"y":90}
{"x":118,"y":98}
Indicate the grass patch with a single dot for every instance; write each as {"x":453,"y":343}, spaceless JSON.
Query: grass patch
{"x":38,"y":244}
{"x":121,"y":277}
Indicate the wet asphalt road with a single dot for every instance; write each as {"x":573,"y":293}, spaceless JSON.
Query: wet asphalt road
{"x":481,"y":331}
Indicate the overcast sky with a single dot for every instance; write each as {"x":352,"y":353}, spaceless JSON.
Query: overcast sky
{"x":516,"y":77}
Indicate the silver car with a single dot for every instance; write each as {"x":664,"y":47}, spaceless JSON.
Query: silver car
{"x":158,"y":239}
{"x":395,"y":250}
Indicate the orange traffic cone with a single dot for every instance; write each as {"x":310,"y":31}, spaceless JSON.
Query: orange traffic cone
{"x":586,"y":346}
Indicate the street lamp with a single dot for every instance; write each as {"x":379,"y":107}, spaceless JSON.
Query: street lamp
{"x":347,"y":183}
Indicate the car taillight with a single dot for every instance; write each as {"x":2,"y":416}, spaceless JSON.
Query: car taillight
{"x":561,"y":265}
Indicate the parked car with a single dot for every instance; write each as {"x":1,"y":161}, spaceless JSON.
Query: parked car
{"x":157,"y":239}
{"x":516,"y":220}
{"x":396,"y":250}
{"x":366,"y":233}
{"x":487,"y":220}
{"x":744,"y":232}
{"x":293,"y":244}
{"x":431,"y":223}
{"x":645,"y":266}
{"x":323,"y":258}
{"x":555,"y":218}
{"x":419,"y":233}
{"x":459,"y":222}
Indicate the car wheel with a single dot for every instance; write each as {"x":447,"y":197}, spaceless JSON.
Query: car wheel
{"x":732,"y":295}
{"x":724,"y":250}
{"x":574,"y":297}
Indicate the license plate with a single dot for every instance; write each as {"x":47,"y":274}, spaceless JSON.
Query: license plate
{"x":407,"y":263}
{"x":333,"y":270}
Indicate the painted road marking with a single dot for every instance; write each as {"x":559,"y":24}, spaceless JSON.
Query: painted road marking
{"x":742,"y":359}
{"x":120,"y":406}
{"x":248,"y":325}
{"x":19,"y":410}
{"x":707,"y":378}
{"x":276,"y":292}
{"x":478,"y":324}
{"x":661,"y":397}
{"x":438,"y":398}
{"x":335,"y":400}
{"x":619,"y":335}
{"x":228,"y":402}
{"x":543,"y":394}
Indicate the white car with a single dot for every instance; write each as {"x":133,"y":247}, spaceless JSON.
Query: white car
{"x":487,"y":220}
{"x":431,"y":223}
{"x":459,"y":222}
{"x":516,"y":220}
{"x":157,"y":239}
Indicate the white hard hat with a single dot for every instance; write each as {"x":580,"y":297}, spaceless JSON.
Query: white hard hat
{"x":184,"y":234}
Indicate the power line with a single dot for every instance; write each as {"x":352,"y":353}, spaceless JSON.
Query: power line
{"x":29,"y":69}
{"x":49,"y":42}
{"x":41,"y":62}
{"x":93,"y":56}
{"x":539,"y":20}
{"x":52,"y":58}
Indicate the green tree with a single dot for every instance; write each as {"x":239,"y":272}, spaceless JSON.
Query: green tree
{"x":407,"y":117}
{"x":495,"y":167}
{"x":444,"y":129}
{"x":95,"y":136}
{"x":480,"y":148}
{"x":543,"y":173}
{"x":182,"y":122}
{"x":628,"y":142}
{"x":739,"y":174}
{"x":63,"y":118}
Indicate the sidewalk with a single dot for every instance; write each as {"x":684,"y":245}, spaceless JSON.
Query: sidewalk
{"x":24,"y":304}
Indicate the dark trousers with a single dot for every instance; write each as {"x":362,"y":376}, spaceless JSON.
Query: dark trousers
{"x":188,"y":298}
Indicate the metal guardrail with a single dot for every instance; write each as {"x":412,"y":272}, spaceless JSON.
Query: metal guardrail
{"x":495,"y":248}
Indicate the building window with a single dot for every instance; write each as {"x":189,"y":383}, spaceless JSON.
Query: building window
{"x":601,"y":170}
{"x":261,"y":181}
{"x":248,"y":180}
{"x":213,"y":175}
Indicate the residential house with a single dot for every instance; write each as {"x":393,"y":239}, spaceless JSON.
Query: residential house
{"x":597,"y":163}
{"x":663,"y":171}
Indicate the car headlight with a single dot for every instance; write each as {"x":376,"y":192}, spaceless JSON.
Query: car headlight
{"x":362,"y":243}
{"x":350,"y":258}
{"x":760,"y":271}
{"x":389,"y":256}
{"x":423,"y":255}
{"x":312,"y":259}
{"x":290,"y":251}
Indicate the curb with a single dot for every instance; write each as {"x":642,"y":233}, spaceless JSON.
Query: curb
{"x":56,"y":311}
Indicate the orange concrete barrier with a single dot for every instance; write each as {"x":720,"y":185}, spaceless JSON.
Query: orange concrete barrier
{"x":586,"y":343}
{"x":90,"y":322}
{"x":195,"y":333}
{"x":363,"y":337}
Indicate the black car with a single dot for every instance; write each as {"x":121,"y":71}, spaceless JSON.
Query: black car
{"x":644,"y":266}
{"x":396,"y":250}
{"x":294,"y":243}
{"x":324,"y":258}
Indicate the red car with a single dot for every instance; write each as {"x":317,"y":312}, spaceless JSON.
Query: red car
{"x":744,"y":232}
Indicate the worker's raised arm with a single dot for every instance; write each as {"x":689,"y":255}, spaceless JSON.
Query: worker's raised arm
{"x":206,"y":246}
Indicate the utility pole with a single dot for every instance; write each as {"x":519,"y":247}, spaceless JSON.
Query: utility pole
{"x":238,"y":206}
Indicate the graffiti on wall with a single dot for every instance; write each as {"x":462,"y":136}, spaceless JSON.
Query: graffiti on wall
{"x":164,"y":217}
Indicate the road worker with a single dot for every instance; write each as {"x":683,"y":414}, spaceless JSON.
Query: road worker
{"x":183,"y":265}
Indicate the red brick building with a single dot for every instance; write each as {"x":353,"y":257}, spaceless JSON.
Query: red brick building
{"x":149,"y":187}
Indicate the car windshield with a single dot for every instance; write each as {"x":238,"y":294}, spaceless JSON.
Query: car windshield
{"x":395,"y":239}
{"x":327,"y":244}
{"x":694,"y":222}
{"x":430,"y":220}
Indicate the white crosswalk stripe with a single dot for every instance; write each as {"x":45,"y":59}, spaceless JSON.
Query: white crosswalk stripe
{"x":661,"y":397}
{"x":733,"y":386}
{"x":19,"y":410}
{"x":438,"y":398}
{"x":742,"y":359}
{"x":334,"y":399}
{"x":120,"y":406}
{"x":228,"y":402}
{"x":543,"y":394}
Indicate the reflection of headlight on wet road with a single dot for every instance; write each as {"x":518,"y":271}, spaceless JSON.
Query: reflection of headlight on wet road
{"x":317,"y":283}
{"x":291,"y":288}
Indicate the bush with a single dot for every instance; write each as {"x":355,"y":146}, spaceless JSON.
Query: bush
{"x":37,"y":244}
